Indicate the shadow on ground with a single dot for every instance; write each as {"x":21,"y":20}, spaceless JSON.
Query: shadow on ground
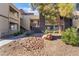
{"x":56,"y":37}
{"x":11,"y":37}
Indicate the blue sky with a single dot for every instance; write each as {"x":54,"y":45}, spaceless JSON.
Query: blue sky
{"x":26,"y":7}
{"x":22,"y":5}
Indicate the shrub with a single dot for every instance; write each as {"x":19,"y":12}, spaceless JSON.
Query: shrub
{"x":70,"y":37}
{"x":17,"y":33}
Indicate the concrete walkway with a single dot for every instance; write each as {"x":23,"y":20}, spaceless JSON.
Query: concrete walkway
{"x":38,"y":35}
{"x":6,"y":41}
{"x":3,"y":42}
{"x":9,"y":39}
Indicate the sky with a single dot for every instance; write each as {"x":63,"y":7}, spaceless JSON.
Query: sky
{"x":26,"y":7}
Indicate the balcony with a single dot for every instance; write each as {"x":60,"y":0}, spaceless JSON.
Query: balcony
{"x":13,"y":13}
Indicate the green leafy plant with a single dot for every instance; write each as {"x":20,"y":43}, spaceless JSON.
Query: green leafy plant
{"x":71,"y":37}
{"x":17,"y":33}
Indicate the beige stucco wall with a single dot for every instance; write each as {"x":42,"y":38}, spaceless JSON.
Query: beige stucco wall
{"x":76,"y":21}
{"x":34,"y":17}
{"x":75,"y":13}
{"x":13,"y":18}
{"x":5,"y":18}
{"x":4,"y":9}
{"x":25,"y":22}
{"x":4,"y":26}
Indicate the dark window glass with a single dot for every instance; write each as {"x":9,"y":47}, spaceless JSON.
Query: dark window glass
{"x":77,"y":6}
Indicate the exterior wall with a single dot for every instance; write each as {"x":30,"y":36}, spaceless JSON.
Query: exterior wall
{"x":76,"y":16}
{"x":4,"y":26}
{"x":25,"y":22}
{"x":15,"y":17}
{"x":6,"y":18}
{"x":4,"y":9}
{"x":76,"y":23}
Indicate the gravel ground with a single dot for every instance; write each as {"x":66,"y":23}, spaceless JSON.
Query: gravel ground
{"x":33,"y":46}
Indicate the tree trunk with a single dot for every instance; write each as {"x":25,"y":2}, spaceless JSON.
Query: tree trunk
{"x":59,"y":24}
{"x":42,"y":22}
{"x":63,"y":23}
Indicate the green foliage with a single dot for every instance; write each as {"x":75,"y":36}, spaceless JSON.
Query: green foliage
{"x":66,"y":9}
{"x":47,"y":10}
{"x":53,"y":10}
{"x":70,"y":37}
{"x":17,"y":33}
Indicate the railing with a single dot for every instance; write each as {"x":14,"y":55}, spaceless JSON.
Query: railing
{"x":13,"y":16}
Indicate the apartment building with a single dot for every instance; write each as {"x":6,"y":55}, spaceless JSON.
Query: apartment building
{"x":29,"y":20}
{"x":9,"y":19}
{"x":76,"y":16}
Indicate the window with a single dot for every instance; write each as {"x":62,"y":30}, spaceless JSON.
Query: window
{"x":13,"y":27}
{"x":51,"y":28}
{"x":56,"y":27}
{"x":77,"y":6}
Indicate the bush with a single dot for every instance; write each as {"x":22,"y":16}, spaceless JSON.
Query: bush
{"x":17,"y":33}
{"x":70,"y":37}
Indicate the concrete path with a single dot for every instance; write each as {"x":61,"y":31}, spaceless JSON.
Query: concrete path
{"x":10,"y":39}
{"x":3,"y":42}
{"x":38,"y":35}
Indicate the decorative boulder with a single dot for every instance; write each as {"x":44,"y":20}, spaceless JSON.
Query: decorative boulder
{"x":47,"y":36}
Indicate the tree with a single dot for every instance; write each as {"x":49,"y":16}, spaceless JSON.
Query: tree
{"x":53,"y":12}
{"x":65,"y":10}
{"x":46,"y":11}
{"x":40,"y":8}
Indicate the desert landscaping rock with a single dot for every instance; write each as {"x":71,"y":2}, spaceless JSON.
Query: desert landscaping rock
{"x":47,"y":36}
{"x":26,"y":44}
{"x":36,"y":46}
